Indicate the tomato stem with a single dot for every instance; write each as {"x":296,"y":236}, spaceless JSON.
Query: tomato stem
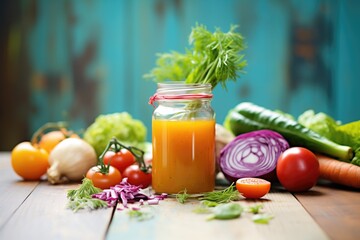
{"x":46,"y":127}
{"x":116,"y":146}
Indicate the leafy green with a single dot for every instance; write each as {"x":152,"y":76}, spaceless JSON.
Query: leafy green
{"x":202,"y":209}
{"x":231,"y":210}
{"x":81,"y":198}
{"x":122,"y":126}
{"x":212,"y":58}
{"x":320,"y":123}
{"x":226,"y":211}
{"x":255,"y":208}
{"x":140,"y":215}
{"x":262,"y":218}
{"x":325,"y":125}
{"x":208,"y":203}
{"x":353,"y":130}
{"x":171,"y":66}
{"x":182,"y":196}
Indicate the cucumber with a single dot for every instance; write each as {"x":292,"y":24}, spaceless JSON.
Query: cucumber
{"x":247,"y":117}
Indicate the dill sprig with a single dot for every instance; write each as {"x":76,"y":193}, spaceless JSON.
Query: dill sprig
{"x":81,"y":198}
{"x":212,"y":58}
{"x":255,"y":209}
{"x":182,"y":196}
{"x":222,"y":196}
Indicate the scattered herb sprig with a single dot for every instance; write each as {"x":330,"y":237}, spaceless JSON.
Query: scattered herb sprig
{"x":222,"y":196}
{"x":81,"y":198}
{"x":255,"y":209}
{"x":211,"y":198}
{"x":226,"y":211}
{"x":182,"y":196}
{"x":263,"y":218}
{"x":140,"y":215}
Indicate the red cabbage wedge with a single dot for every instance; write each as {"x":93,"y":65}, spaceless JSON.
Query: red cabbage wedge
{"x":252,"y":154}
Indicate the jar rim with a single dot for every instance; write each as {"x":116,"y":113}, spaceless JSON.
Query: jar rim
{"x":181,"y":91}
{"x":174,"y":88}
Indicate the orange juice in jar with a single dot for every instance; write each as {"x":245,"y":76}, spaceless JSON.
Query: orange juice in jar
{"x":183,"y":138}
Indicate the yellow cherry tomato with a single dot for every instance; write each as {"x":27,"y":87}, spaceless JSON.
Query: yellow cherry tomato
{"x":29,"y":162}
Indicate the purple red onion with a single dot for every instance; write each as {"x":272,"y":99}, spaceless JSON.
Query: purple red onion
{"x":252,"y":154}
{"x":127,"y":193}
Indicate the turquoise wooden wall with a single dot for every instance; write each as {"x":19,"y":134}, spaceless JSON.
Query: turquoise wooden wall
{"x":86,"y":58}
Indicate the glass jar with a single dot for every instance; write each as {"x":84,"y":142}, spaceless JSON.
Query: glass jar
{"x":183,"y":138}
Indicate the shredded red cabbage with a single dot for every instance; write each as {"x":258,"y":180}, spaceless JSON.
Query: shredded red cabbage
{"x":252,"y":154}
{"x":126,"y":193}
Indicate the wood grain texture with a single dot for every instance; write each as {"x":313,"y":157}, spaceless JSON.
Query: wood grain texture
{"x":173,"y":220}
{"x":13,"y":190}
{"x":335,"y":208}
{"x":38,"y":211}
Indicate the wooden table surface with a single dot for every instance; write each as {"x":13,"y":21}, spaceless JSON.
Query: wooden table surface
{"x":36,"y":210}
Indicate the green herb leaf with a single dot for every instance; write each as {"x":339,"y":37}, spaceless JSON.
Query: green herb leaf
{"x":208,"y":203}
{"x":81,"y":198}
{"x":226,"y":211}
{"x":182,"y":196}
{"x":214,"y":58}
{"x":223,"y":196}
{"x":262,"y":218}
{"x":202,"y":209}
{"x":140,"y":215}
{"x":326,"y":126}
{"x":255,"y":208}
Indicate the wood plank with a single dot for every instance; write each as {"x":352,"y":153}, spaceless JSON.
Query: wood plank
{"x":44,"y":216}
{"x":173,"y":220}
{"x":13,"y":190}
{"x":335,"y":208}
{"x":39,"y":211}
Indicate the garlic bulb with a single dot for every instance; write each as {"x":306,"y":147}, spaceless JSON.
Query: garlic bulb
{"x":70,"y":160}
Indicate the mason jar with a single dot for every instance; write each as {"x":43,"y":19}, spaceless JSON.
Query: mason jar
{"x":183,"y":138}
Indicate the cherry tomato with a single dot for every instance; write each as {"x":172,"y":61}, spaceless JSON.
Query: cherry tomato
{"x":29,"y":162}
{"x":253,"y":187}
{"x":104,"y":181}
{"x":297,"y":169}
{"x":137,"y":177}
{"x":120,"y":160}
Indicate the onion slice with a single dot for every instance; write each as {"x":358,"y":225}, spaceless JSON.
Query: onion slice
{"x":127,"y":193}
{"x":252,"y":154}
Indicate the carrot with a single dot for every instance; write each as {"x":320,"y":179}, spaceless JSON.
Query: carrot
{"x":339,"y":172}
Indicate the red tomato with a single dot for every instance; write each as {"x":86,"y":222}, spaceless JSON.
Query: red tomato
{"x":297,"y":169}
{"x":104,"y":181}
{"x":120,"y":160}
{"x":137,"y":177}
{"x":29,"y":162}
{"x":253,"y":187}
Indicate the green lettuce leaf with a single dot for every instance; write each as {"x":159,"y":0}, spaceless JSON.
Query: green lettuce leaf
{"x":122,"y":126}
{"x":346,"y":134}
{"x":320,"y":123}
{"x":353,"y":129}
